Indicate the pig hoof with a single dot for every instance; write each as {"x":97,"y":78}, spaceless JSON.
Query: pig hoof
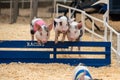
{"x":62,"y":41}
{"x":42,"y":45}
{"x":56,"y":42}
{"x":39,"y":42}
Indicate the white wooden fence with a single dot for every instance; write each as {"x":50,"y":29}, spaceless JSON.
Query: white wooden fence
{"x":107,"y":33}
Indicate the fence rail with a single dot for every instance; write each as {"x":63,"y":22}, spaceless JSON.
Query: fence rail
{"x":9,"y":52}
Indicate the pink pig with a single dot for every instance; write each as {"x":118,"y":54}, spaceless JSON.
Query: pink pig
{"x":60,"y":26}
{"x":40,"y":30}
{"x":75,"y":31}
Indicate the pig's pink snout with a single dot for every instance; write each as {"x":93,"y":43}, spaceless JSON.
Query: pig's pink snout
{"x":72,"y":38}
{"x":44,"y":41}
{"x":64,"y":31}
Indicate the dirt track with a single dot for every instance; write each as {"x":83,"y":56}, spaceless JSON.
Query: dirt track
{"x":34,"y":71}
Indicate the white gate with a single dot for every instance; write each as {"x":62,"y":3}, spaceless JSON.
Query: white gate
{"x":107,"y":33}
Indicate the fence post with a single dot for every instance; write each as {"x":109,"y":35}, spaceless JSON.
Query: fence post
{"x":33,"y":9}
{"x":108,"y":11}
{"x":0,"y":7}
{"x":70,"y":13}
{"x":83,"y":21}
{"x":105,"y":31}
{"x":57,"y":10}
{"x":22,"y":3}
{"x":54,"y":55}
{"x":111,"y":33}
{"x":93,"y":28}
{"x":118,"y":49}
{"x":14,"y":10}
{"x":108,"y":56}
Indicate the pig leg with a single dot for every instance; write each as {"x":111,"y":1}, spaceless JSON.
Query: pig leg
{"x":56,"y":36}
{"x":32,"y":37}
{"x":71,"y":48}
{"x":79,"y":48}
{"x":63,"y":38}
{"x":79,"y":39}
{"x":39,"y":41}
{"x":32,"y":31}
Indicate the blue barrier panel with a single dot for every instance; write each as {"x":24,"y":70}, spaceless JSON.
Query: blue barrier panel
{"x":29,"y":44}
{"x":18,"y":54}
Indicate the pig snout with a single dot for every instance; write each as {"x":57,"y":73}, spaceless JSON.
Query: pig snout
{"x":42,"y":38}
{"x":72,"y":39}
{"x":64,"y":30}
{"x":44,"y":41}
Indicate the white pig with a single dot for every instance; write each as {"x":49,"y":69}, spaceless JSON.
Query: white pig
{"x":75,"y":31}
{"x":60,"y":26}
{"x":40,"y":30}
{"x":81,"y":73}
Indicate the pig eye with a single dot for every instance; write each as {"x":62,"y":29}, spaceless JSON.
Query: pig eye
{"x":60,"y":23}
{"x":47,"y":34}
{"x":40,"y":33}
{"x":76,"y":27}
{"x":75,"y":31}
{"x":69,"y":31}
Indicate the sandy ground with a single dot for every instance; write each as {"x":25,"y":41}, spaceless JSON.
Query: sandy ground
{"x":37,"y":71}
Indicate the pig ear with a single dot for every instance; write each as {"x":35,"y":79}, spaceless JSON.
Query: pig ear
{"x":57,"y":20}
{"x":79,"y":25}
{"x":38,"y":27}
{"x":50,"y":26}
